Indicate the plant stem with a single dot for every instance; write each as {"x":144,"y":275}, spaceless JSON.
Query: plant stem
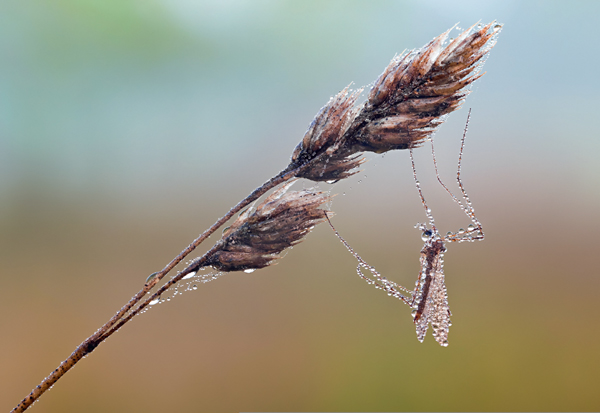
{"x":89,"y":344}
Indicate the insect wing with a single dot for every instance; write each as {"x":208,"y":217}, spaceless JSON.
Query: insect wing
{"x":431,"y":297}
{"x":439,"y":311}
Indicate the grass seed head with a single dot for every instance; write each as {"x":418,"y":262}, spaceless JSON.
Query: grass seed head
{"x":258,"y":235}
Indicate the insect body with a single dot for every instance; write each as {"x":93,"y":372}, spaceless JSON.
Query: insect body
{"x":429,"y":299}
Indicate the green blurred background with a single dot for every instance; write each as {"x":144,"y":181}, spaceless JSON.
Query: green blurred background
{"x":127,"y":127}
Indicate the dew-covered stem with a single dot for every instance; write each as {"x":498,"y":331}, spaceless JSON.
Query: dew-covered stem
{"x":105,"y":331}
{"x":122,"y":316}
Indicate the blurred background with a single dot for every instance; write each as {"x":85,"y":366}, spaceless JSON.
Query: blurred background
{"x":127,"y":127}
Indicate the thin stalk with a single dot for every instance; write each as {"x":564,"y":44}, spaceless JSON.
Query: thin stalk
{"x":89,"y":344}
{"x":194,"y":266}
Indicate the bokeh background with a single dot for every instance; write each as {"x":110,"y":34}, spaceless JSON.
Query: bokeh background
{"x":127,"y":127}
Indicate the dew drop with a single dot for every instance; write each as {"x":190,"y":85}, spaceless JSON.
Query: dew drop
{"x":424,"y":236}
{"x":249,"y":270}
{"x":471,"y":228}
{"x":496,"y":28}
{"x":151,"y":277}
{"x":461,"y":231}
{"x":190,"y":275}
{"x":194,"y":287}
{"x":155,"y":301}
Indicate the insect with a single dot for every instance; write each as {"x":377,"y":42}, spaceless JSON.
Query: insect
{"x":429,"y":299}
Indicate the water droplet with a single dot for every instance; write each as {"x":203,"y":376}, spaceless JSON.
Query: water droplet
{"x":194,"y":287}
{"x":471,"y":228}
{"x":151,"y":277}
{"x":190,"y":275}
{"x":249,"y":270}
{"x":461,"y":231}
{"x":155,"y":301}
{"x":496,"y":28}
{"x":424,"y":236}
{"x":449,"y":234}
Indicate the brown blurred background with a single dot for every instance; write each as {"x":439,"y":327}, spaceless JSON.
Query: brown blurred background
{"x":128,"y":127}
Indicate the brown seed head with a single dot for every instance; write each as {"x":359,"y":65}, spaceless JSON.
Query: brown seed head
{"x":328,"y":127}
{"x":339,"y":165}
{"x":404,"y":107}
{"x":408,"y":101}
{"x":323,"y":139}
{"x":257,"y":236}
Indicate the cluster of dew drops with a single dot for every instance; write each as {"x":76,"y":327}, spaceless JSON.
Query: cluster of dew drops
{"x":188,"y":283}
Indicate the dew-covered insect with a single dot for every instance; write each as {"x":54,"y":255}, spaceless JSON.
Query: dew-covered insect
{"x":429,"y":299}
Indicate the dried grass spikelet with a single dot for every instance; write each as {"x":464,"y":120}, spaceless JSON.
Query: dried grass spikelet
{"x":408,"y":101}
{"x":404,"y":107}
{"x":256,"y":237}
{"x":324,"y":137}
